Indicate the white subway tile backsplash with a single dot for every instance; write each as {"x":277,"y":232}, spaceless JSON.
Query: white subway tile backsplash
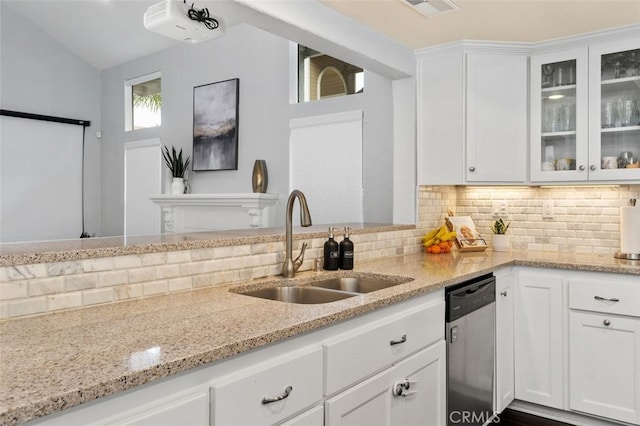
{"x":142,"y":275}
{"x":155,"y":287}
{"x":63,"y":268}
{"x":167,"y":271}
{"x":39,"y":288}
{"x":111,"y":278}
{"x":24,"y":272}
{"x":57,"y":302}
{"x":130,"y":291}
{"x":46,"y":286}
{"x":179,"y":256}
{"x":152,"y":259}
{"x":126,"y":262}
{"x":178,"y":284}
{"x":586,"y":219}
{"x":95,"y":296}
{"x":80,"y":281}
{"x":97,"y":265}
{"x":30,"y":306}
{"x":13,"y":290}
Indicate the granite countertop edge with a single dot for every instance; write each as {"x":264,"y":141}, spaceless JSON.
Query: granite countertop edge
{"x":18,"y":411}
{"x":13,"y":254}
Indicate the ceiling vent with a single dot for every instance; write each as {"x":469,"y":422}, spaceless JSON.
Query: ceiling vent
{"x":177,"y":20}
{"x":432,"y":8}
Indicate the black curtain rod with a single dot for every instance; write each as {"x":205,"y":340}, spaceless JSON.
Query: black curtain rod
{"x":9,"y":113}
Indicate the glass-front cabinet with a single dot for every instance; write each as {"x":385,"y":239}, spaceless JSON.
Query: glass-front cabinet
{"x":559,"y":112}
{"x":614,"y":130}
{"x":585,"y":120}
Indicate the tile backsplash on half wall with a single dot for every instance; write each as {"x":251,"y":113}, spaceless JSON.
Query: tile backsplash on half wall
{"x":586,"y":219}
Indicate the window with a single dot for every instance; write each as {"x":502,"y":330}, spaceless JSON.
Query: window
{"x":321,"y":76}
{"x":143,"y":102}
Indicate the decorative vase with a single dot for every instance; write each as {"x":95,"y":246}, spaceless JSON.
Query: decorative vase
{"x":177,"y":186}
{"x":260,"y":177}
{"x":501,"y":242}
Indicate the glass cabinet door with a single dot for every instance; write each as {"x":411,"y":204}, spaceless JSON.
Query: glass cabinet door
{"x":558,"y":116}
{"x":615,"y":127}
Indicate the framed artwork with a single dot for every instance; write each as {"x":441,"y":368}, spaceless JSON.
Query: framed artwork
{"x":215,"y":126}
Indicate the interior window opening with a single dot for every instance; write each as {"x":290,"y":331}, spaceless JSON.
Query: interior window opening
{"x":143,"y":102}
{"x":322,"y":76}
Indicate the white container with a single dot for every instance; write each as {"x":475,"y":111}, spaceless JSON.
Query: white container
{"x":177,"y":186}
{"x":501,"y":242}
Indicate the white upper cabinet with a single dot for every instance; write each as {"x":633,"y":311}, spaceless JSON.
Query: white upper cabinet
{"x":472,"y":114}
{"x":559,"y":116}
{"x":585,"y":120}
{"x":614,"y":125}
{"x":496,"y":118}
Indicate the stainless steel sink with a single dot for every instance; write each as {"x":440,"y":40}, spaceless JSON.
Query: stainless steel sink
{"x":299,"y":294}
{"x":324,"y":290}
{"x":357,"y":284}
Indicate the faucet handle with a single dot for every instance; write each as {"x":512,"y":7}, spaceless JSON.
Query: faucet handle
{"x":300,"y":258}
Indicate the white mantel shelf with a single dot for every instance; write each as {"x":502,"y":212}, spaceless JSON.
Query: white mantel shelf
{"x":216,"y":211}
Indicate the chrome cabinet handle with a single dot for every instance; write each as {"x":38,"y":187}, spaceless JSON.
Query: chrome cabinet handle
{"x":581,"y":168}
{"x":270,"y":399}
{"x":606,"y":322}
{"x":604,"y":299}
{"x":397,"y":342}
{"x":503,"y":293}
{"x":402,"y":388}
{"x":592,"y":167}
{"x":472,"y":169}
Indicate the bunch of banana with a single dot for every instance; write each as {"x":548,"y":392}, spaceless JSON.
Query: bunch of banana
{"x":439,"y":237}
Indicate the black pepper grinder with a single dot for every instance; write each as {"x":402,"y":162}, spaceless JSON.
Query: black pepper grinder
{"x":346,"y":251}
{"x":331,"y":253}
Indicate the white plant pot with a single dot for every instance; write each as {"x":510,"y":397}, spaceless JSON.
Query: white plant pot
{"x":177,"y":186}
{"x":501,"y":242}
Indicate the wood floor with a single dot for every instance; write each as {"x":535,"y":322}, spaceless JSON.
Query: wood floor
{"x":517,"y":418}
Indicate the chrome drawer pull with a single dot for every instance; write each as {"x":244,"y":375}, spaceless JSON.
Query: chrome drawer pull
{"x":604,"y":299}
{"x":606,"y":322}
{"x":402,"y":388}
{"x":270,"y":399}
{"x":397,"y":342}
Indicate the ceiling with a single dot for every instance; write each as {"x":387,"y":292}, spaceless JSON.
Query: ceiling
{"x":496,"y":20}
{"x":107,"y":33}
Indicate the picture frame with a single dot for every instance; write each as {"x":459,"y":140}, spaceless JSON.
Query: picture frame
{"x":215,"y":125}
{"x":467,"y":237}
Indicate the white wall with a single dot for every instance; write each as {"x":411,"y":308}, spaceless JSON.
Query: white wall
{"x":261,"y":61}
{"x":40,"y":76}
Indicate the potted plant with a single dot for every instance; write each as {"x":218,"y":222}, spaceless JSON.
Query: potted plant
{"x":501,"y":241}
{"x":178,"y":167}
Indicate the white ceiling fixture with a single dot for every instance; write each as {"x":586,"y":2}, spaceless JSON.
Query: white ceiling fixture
{"x":180,"y":21}
{"x":431,"y":8}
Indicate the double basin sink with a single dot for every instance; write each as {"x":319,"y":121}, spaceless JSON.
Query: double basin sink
{"x":326,"y":290}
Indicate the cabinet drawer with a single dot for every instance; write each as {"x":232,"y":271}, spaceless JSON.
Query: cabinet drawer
{"x":238,"y":398}
{"x":363,"y":351}
{"x":608,"y":295}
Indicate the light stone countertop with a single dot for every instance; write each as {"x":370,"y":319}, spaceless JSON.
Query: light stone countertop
{"x":55,"y":361}
{"x":12,"y":254}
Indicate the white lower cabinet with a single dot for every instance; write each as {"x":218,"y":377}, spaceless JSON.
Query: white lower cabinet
{"x":411,"y":392}
{"x":604,"y":347}
{"x":269,"y":392}
{"x":605,"y":365}
{"x":539,"y":338}
{"x":505,"y":374}
{"x":290,"y":383}
{"x":312,"y":417}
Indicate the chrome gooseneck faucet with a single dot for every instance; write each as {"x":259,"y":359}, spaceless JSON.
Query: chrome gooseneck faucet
{"x":289,"y":267}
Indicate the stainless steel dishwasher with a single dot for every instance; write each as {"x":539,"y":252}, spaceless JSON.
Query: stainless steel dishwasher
{"x":470,"y":334}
